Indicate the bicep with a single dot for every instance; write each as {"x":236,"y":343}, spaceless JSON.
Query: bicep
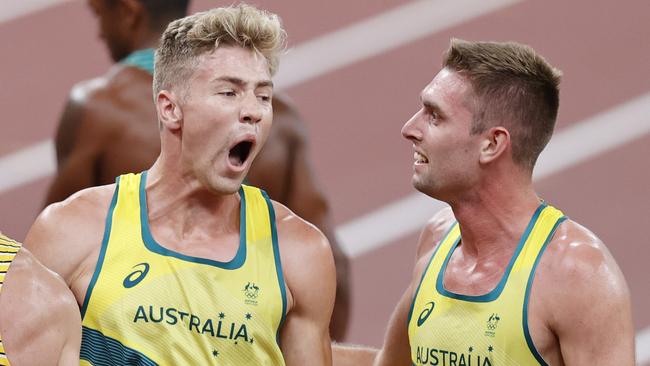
{"x":593,"y":318}
{"x":311,"y":279}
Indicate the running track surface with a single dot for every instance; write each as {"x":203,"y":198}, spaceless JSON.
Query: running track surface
{"x":355,"y":108}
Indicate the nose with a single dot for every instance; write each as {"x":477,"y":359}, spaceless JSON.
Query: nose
{"x":251,"y":110}
{"x":411,"y":130}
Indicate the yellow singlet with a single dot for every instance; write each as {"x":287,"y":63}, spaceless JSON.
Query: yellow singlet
{"x":449,"y":329}
{"x":148,"y":305}
{"x":8,"y":250}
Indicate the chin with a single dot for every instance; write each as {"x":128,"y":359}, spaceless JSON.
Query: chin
{"x":425,"y":187}
{"x":223,"y":185}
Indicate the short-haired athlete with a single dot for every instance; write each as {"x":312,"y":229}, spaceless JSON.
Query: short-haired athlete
{"x":109,"y":127}
{"x":39,"y":317}
{"x":182,"y":264}
{"x":502,"y":278}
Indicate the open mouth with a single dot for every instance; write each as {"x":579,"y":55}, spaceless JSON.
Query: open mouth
{"x":419,"y":158}
{"x":240,"y":152}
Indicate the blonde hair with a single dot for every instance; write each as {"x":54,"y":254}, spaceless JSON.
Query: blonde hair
{"x":187,"y":38}
{"x":514,"y":87}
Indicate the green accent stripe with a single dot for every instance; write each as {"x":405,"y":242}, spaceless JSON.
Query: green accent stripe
{"x":278,"y":263}
{"x":101,"y":350}
{"x":102,"y":252}
{"x":151,"y":244}
{"x":529,"y":339}
{"x":494,"y":294}
{"x":426,"y":269}
{"x":142,"y":59}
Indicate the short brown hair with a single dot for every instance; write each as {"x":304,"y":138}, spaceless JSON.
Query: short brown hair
{"x":514,"y":87}
{"x":187,"y":38}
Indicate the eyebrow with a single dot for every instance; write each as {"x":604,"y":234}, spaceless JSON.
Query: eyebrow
{"x":431,"y":106}
{"x":241,"y":83}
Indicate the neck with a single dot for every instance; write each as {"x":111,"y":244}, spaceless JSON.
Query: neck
{"x":181,"y":204}
{"x":496,"y":215}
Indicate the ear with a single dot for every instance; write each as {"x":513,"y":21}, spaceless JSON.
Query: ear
{"x":496,"y":141}
{"x":170,"y":113}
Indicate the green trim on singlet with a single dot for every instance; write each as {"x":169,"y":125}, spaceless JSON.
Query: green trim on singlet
{"x":494,"y":294}
{"x":278,"y":264}
{"x":102,"y":251}
{"x":142,"y":59}
{"x":153,"y":246}
{"x":529,"y":285}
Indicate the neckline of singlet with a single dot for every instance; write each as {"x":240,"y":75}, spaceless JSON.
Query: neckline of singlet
{"x":142,"y":59}
{"x":496,"y":291}
{"x":151,"y":244}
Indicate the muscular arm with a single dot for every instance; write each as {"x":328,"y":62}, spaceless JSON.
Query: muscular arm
{"x":396,"y":349}
{"x":310,"y":277}
{"x":283,"y":170}
{"x":66,"y":236}
{"x":39,"y":322}
{"x":589,"y":312}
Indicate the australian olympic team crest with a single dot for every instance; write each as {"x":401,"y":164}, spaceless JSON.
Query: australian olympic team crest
{"x":491,"y":325}
{"x":251,"y":292}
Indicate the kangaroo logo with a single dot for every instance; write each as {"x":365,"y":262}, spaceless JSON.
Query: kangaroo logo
{"x":428,"y":308}
{"x":251,"y":290}
{"x":493,"y":321}
{"x":136,"y":276}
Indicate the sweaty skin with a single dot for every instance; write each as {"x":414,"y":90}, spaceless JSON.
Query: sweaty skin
{"x":577,"y":287}
{"x":566,"y":307}
{"x":192,"y":202}
{"x":39,"y":318}
{"x":109,"y":127}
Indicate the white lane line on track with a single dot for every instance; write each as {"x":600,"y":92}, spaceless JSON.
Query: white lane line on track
{"x":27,"y":165}
{"x":377,"y":35}
{"x":12,"y":9}
{"x":570,"y":146}
{"x":643,"y":347}
{"x":313,"y":58}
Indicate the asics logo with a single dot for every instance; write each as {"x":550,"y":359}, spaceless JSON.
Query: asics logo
{"x":428,"y":308}
{"x":136,"y":276}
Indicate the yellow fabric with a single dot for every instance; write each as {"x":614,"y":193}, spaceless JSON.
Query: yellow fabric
{"x":151,"y":306}
{"x":451,"y":329}
{"x":8,"y":250}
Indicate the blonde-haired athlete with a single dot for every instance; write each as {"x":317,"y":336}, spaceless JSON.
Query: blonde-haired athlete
{"x":109,"y":127}
{"x":39,"y":318}
{"x":182,"y":264}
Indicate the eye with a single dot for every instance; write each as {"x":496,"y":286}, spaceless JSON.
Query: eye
{"x":228,"y":93}
{"x":264,"y":98}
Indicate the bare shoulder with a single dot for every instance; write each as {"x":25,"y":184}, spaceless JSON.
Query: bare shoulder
{"x":38,"y":311}
{"x":87,"y":207}
{"x":99,"y":95}
{"x":307,"y":260}
{"x":296,"y":233}
{"x":577,"y":257}
{"x":74,"y":226}
{"x":576,"y":273}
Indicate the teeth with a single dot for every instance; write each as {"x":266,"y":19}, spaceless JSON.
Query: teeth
{"x":419,"y":158}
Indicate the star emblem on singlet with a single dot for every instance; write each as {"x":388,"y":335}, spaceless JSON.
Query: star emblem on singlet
{"x":222,"y":315}
{"x":215,"y":353}
{"x":490,"y":349}
{"x":248,"y":316}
